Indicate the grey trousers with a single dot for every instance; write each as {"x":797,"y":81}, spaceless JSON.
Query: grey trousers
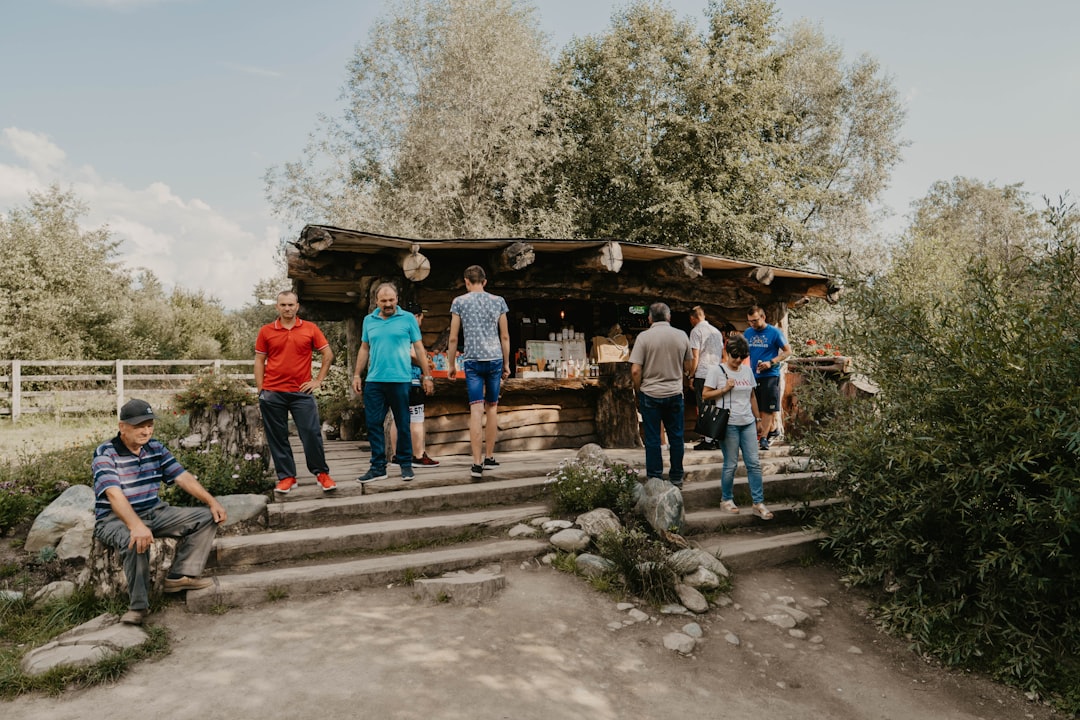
{"x":194,"y":526}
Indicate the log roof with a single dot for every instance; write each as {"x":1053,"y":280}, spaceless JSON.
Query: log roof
{"x":333,"y":266}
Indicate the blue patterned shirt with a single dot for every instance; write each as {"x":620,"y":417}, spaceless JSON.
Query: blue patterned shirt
{"x":479,"y":313}
{"x":138,"y":476}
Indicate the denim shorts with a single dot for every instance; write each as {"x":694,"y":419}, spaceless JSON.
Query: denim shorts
{"x":483,"y":378}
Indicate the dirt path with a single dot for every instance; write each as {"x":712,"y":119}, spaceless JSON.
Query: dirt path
{"x":542,"y":651}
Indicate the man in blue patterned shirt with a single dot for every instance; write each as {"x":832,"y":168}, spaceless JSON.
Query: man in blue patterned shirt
{"x":486,"y":360}
{"x":128,"y":472}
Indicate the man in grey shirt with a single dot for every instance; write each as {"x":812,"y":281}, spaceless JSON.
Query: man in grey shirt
{"x":660,"y":358}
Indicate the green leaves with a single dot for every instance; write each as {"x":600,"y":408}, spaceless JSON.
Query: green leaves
{"x":963,"y":475}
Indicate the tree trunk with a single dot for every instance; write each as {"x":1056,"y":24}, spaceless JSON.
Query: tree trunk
{"x":236,"y":429}
{"x":616,"y":411}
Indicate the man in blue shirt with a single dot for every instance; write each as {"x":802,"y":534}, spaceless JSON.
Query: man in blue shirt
{"x":481,"y":316}
{"x":768,"y":348}
{"x":128,"y":472}
{"x":388,"y":335}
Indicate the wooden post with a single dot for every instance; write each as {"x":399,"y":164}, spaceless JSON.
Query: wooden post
{"x":414,"y":265}
{"x":119,"y":386}
{"x":516,"y":256}
{"x":16,"y":390}
{"x":616,"y":410}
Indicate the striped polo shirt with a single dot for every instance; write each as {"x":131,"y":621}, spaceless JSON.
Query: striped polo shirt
{"x":139,"y":477}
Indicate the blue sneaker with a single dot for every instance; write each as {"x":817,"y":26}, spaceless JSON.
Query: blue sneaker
{"x":407,"y":473}
{"x":371,"y":476}
{"x":764,"y":444}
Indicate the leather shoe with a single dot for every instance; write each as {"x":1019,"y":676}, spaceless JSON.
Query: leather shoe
{"x":133,"y":617}
{"x":180,"y":584}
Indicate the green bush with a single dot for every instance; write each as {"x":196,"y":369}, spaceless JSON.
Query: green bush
{"x":213,"y":390}
{"x":220,"y":474}
{"x":578,"y":487}
{"x":643,"y":564}
{"x":963,"y":475}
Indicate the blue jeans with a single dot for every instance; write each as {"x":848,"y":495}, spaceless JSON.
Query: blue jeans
{"x":380,"y":398}
{"x":669,"y":411}
{"x":483,"y":379}
{"x":275,"y":408}
{"x":745,"y":437}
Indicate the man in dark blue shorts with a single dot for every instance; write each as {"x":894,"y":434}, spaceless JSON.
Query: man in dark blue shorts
{"x":768,"y":348}
{"x":486,"y":361}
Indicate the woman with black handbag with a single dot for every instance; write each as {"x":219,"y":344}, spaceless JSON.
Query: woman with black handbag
{"x":731,"y":385}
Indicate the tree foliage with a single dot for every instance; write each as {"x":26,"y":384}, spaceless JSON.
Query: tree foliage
{"x":68,"y":298}
{"x":962,"y":478}
{"x":444,"y":132}
{"x":741,"y":139}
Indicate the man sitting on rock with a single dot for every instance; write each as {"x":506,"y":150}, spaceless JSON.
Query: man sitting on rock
{"x":128,"y":472}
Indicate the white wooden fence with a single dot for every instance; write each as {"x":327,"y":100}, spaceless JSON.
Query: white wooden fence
{"x":76,"y":386}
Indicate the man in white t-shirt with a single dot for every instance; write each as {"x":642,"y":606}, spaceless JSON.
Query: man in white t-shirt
{"x":707,"y":345}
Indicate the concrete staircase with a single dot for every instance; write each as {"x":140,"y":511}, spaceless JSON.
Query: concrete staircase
{"x":393,"y":532}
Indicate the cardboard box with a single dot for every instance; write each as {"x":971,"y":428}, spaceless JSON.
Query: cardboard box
{"x":605,"y":350}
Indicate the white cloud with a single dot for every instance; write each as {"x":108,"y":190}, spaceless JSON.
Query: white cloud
{"x":184,"y":241}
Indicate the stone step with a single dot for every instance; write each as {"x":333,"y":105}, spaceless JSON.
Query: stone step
{"x":701,"y":489}
{"x":266,"y":585}
{"x":713,"y":520}
{"x":746,"y":550}
{"x":291,"y":545}
{"x":337,"y":509}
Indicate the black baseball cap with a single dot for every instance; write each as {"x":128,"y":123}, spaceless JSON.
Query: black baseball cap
{"x":136,"y":411}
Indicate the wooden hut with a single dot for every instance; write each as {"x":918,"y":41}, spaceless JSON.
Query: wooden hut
{"x":549,"y":286}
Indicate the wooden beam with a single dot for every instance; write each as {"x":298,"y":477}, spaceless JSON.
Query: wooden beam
{"x":515,"y":256}
{"x":687,"y":267}
{"x":414,"y":264}
{"x":763,"y":275}
{"x":607,"y":259}
{"x":313,"y":241}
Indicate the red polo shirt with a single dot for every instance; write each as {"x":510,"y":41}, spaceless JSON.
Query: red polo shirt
{"x":288,"y":353}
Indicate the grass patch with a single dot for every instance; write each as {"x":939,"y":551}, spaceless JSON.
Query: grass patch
{"x":25,"y":626}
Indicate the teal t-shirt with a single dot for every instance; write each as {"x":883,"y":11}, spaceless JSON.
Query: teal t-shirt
{"x":389,"y":340}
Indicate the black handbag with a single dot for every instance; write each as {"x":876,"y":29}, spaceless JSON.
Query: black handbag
{"x":712,"y":420}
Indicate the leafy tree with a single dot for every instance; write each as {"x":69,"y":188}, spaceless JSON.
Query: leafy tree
{"x":445,"y":129}
{"x":59,"y":283}
{"x":958,"y":222}
{"x":740,"y":140}
{"x":962,"y":478}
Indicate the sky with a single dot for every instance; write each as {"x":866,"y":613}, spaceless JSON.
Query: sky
{"x":164,"y":115}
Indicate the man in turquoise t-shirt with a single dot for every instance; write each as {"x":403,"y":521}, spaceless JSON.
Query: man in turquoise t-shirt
{"x":389,"y":333}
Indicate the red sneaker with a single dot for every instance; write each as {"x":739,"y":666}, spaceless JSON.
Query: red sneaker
{"x":326,"y":481}
{"x":427,"y":462}
{"x":285,"y":485}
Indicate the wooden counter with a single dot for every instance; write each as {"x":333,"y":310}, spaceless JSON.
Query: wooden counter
{"x":539,"y":414}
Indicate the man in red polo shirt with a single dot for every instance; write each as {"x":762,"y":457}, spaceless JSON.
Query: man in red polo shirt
{"x":283,"y":378}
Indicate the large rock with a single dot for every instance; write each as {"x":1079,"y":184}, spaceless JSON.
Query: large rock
{"x":599,"y":521}
{"x":245,"y":513}
{"x":702,"y":578}
{"x":593,"y":565}
{"x":72,"y":508}
{"x":661,"y":504}
{"x":592,"y":454}
{"x":87,"y":644}
{"x":78,"y":541}
{"x":690,"y":559}
{"x":691,"y":599}
{"x":571,"y":540}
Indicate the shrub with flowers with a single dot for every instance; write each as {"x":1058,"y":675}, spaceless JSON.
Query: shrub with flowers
{"x":212,"y":390}
{"x":812,"y":348}
{"x":220,"y":473}
{"x":578,"y":487}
